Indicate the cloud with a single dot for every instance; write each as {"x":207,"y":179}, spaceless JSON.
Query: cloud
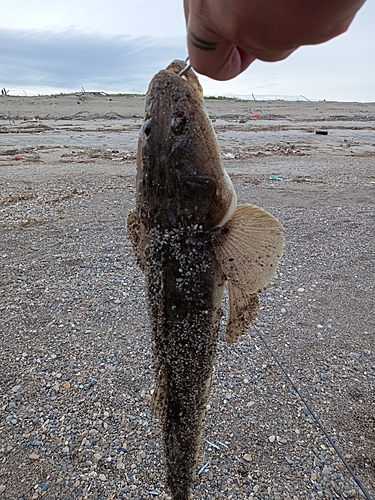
{"x":70,"y":59}
{"x":115,"y":17}
{"x":39,"y":61}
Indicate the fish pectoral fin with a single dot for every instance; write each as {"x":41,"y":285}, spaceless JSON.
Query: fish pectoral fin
{"x":159,"y":397}
{"x":243,"y":309}
{"x":248,"y":248}
{"x":136,"y":233}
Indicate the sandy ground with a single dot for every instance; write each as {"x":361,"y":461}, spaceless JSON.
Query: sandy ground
{"x":76,"y":375}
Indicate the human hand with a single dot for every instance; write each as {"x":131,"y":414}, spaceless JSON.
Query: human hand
{"x":226,"y":36}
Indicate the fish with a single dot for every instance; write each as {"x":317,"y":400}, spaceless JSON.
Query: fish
{"x":190,"y":238}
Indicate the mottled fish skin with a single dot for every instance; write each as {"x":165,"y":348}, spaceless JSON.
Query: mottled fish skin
{"x":179,"y":175}
{"x":184,"y":204}
{"x":184,"y":292}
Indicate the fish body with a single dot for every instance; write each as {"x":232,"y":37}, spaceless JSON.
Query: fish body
{"x":190,"y":237}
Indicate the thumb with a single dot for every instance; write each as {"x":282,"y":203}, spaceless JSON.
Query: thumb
{"x":210,"y":54}
{"x":218,"y":60}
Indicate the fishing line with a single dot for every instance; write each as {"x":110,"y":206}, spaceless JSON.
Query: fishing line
{"x":186,"y":68}
{"x":315,"y":417}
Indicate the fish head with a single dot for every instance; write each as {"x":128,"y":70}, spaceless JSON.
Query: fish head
{"x":180,"y":179}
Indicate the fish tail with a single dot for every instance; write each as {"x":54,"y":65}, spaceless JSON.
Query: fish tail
{"x":181,"y":458}
{"x":182,"y":441}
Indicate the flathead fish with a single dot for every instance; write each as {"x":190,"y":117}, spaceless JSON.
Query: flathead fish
{"x":189,"y":238}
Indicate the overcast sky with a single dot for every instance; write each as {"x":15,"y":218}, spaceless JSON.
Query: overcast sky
{"x":117,"y":46}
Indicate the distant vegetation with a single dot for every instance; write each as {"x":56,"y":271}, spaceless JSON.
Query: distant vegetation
{"x":124,"y":95}
{"x":221,"y":98}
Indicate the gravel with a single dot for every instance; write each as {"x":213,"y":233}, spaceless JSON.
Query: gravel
{"x":76,"y":378}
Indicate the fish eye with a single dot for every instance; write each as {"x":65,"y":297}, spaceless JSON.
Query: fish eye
{"x":178,"y":124}
{"x":147,"y":127}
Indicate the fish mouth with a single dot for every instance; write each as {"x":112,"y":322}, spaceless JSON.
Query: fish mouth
{"x":186,"y":82}
{"x":177,"y":66}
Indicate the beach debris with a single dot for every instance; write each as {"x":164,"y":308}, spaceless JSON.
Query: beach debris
{"x":9,"y":152}
{"x":321,"y":132}
{"x":223,"y":444}
{"x":81,"y":96}
{"x":212,"y":444}
{"x":229,"y":155}
{"x":203,"y":468}
{"x":274,"y":178}
{"x":255,"y":116}
{"x":4,"y":92}
{"x":10,"y":119}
